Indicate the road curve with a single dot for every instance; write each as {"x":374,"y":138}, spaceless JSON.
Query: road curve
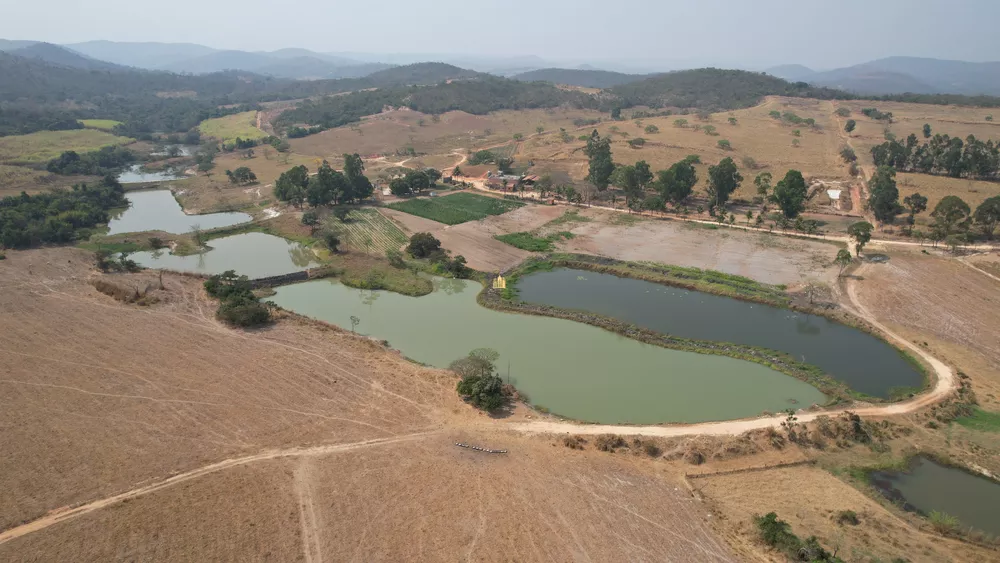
{"x":944,"y":385}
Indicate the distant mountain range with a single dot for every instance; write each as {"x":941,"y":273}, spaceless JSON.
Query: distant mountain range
{"x":896,"y":75}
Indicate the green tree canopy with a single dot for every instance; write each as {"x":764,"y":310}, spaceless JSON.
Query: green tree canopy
{"x":861,"y":232}
{"x":884,"y":199}
{"x":916,"y":203}
{"x":723,"y":179}
{"x":851,"y":124}
{"x":988,"y":215}
{"x":601,"y":165}
{"x":949,"y":212}
{"x":676,"y":183}
{"x":927,"y":131}
{"x":790,"y":194}
{"x":423,"y":245}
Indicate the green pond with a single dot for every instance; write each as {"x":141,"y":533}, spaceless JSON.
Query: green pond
{"x":926,"y":485}
{"x":571,"y":368}
{"x":865,"y":363}
{"x":255,"y":255}
{"x":157,"y":210}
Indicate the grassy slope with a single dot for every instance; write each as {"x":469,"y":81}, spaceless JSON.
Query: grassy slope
{"x":102,"y":124}
{"x":42,"y":146}
{"x":237,"y":125}
{"x":457,"y":208}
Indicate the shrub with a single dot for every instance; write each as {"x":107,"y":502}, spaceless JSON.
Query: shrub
{"x":574,"y":442}
{"x":310,"y":218}
{"x":609,"y":442}
{"x":637,"y":142}
{"x":395,"y":258}
{"x":651,"y":449}
{"x":651,"y":129}
{"x":332,"y":240}
{"x":237,"y":303}
{"x":479,"y":384}
{"x":423,"y":245}
{"x":848,"y":517}
{"x":724,"y":145}
{"x":942,"y":522}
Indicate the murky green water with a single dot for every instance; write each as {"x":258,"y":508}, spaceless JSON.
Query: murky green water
{"x":137,"y":174}
{"x":574,"y":369}
{"x":860,"y":360}
{"x":255,"y":255}
{"x":157,"y":210}
{"x":928,"y":486}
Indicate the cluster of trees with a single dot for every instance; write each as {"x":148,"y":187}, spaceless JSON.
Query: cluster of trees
{"x":327,"y":186}
{"x":942,"y":154}
{"x":877,"y":115}
{"x":107,"y":160}
{"x":32,"y":120}
{"x":414,"y":182}
{"x":298,"y":132}
{"x":425,"y":245}
{"x":777,"y":534}
{"x":237,"y":304}
{"x":479,"y":383}
{"x":954,"y":219}
{"x":242,"y":176}
{"x":59,"y":216}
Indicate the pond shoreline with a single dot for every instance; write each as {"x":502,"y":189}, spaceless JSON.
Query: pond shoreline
{"x":724,"y":285}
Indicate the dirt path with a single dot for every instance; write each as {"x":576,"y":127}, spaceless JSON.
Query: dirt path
{"x":57,"y":517}
{"x":943,"y":386}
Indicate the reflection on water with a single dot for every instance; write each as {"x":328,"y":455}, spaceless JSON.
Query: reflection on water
{"x":255,"y":255}
{"x":157,"y":210}
{"x":858,"y":359}
{"x":573,"y":369}
{"x":137,"y":174}
{"x":928,"y":486}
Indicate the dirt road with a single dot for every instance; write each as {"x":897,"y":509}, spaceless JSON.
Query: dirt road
{"x":943,"y":386}
{"x":57,"y":517}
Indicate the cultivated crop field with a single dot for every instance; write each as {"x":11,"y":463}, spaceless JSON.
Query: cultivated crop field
{"x":456,"y":208}
{"x":369,"y":231}
{"x":243,"y":125}
{"x":40,"y":147}
{"x":102,"y":124}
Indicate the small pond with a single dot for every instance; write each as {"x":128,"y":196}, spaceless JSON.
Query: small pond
{"x":182,"y":150}
{"x":157,"y":210}
{"x":136,"y":174}
{"x":865,"y":363}
{"x":571,"y":368}
{"x":928,"y":486}
{"x":255,"y":255}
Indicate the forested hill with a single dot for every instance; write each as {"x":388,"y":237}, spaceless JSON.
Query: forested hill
{"x":578,"y":77}
{"x":478,"y":96}
{"x":61,"y":56}
{"x":714,"y":89}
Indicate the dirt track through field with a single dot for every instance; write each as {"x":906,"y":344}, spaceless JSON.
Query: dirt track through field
{"x":312,"y":545}
{"x":944,"y":385}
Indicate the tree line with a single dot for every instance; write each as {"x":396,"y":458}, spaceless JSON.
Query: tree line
{"x":942,"y":154}
{"x":58,"y":216}
{"x":105,"y":161}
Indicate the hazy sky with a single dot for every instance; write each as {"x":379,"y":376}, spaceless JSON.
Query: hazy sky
{"x":748,"y":33}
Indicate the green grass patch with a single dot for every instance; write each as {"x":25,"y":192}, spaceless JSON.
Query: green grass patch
{"x":568,"y":217}
{"x":456,"y":208}
{"x":626,"y":219}
{"x":242,"y":125}
{"x":101,"y":124}
{"x":983,"y":421}
{"x":533,"y":243}
{"x":40,"y":147}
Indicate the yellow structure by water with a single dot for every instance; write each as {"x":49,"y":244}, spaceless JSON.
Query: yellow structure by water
{"x":499,"y":283}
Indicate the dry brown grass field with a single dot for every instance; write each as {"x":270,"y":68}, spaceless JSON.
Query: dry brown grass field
{"x":294,"y":442}
{"x":206,"y":194}
{"x":17,"y":179}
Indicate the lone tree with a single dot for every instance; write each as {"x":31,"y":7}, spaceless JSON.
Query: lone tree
{"x":851,"y":124}
{"x":927,"y":131}
{"x":480,"y":385}
{"x":676,"y":183}
{"x":790,"y":194}
{"x":723,"y":179}
{"x":916,"y":203}
{"x":423,"y":245}
{"x":884,"y":200}
{"x":949,"y":212}
{"x":843,"y":260}
{"x":763,"y":183}
{"x":601,"y":165}
{"x":861,"y":232}
{"x":988,"y":215}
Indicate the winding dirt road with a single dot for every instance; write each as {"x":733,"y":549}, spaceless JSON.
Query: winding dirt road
{"x":944,"y":385}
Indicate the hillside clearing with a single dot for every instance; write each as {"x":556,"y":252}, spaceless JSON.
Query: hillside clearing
{"x":102,"y":124}
{"x":40,"y":147}
{"x":242,"y":125}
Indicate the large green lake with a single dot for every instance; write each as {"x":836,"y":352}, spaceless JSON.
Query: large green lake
{"x":255,"y":255}
{"x":157,"y":210}
{"x":573,"y":369}
{"x":865,"y":363}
